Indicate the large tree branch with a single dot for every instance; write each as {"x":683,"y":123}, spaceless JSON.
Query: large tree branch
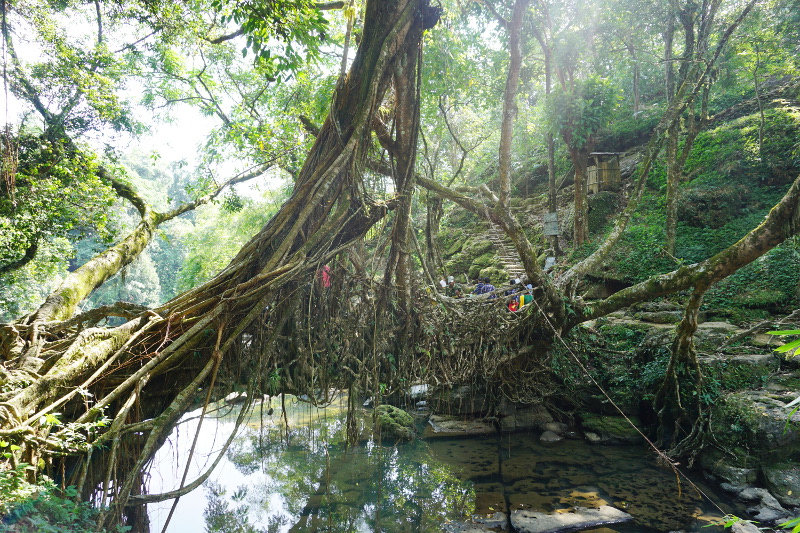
{"x":782,"y":222}
{"x":27,"y":257}
{"x":79,"y":284}
{"x":189,"y":206}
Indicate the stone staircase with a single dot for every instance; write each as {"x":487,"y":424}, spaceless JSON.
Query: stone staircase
{"x":506,"y":252}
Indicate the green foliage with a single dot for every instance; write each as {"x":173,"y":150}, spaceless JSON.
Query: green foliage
{"x":218,"y":234}
{"x":732,"y":186}
{"x":137,"y":283}
{"x":56,"y":193}
{"x":736,"y":422}
{"x":625,"y":130}
{"x":794,"y":524}
{"x":629,"y":369}
{"x":41,"y":507}
{"x":578,"y":113}
{"x":790,"y":348}
{"x":55,"y":199}
{"x":281,"y":34}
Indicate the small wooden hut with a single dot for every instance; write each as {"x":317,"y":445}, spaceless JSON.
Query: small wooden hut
{"x":602,"y":172}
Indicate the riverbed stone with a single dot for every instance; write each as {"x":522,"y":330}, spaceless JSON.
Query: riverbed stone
{"x":744,"y":526}
{"x":550,"y":436}
{"x":496,"y":522}
{"x":767,"y":509}
{"x":576,"y":518}
{"x":466,"y":527}
{"x":783,"y":482}
{"x":452,"y":426}
{"x":593,"y":437}
{"x":558,"y":428}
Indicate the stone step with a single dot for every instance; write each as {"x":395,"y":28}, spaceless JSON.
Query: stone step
{"x":505,"y":251}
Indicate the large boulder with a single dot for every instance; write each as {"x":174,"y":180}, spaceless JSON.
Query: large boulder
{"x":764,"y":508}
{"x":736,"y":372}
{"x":756,"y":426}
{"x":660,"y":317}
{"x":395,"y":423}
{"x":523,"y":417}
{"x":611,"y":429}
{"x":710,"y":335}
{"x":783,"y":481}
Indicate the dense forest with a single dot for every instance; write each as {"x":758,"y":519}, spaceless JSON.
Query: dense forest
{"x":604,"y":158}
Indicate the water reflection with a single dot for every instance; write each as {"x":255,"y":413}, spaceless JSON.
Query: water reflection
{"x":303,"y":478}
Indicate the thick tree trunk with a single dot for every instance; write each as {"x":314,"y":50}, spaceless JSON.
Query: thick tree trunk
{"x":510,"y":99}
{"x":580,"y":232}
{"x":403,"y":152}
{"x":673,"y":180}
{"x":433,"y":252}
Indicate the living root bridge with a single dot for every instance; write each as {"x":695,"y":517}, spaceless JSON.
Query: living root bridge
{"x":124,"y":388}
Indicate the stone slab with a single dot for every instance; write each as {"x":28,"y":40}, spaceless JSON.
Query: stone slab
{"x":574,"y":519}
{"x":450,"y":426}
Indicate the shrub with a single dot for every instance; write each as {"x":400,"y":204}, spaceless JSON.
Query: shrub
{"x":42,"y":507}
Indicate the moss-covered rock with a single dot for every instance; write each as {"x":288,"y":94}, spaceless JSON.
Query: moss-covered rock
{"x":478,"y":247}
{"x":755,"y":426}
{"x":395,"y":423}
{"x":496,"y":274}
{"x":612,"y":428}
{"x":738,"y":372}
{"x":484,"y":261}
{"x":602,"y":206}
{"x":455,"y":247}
{"x":473,"y":251}
{"x":660,"y":317}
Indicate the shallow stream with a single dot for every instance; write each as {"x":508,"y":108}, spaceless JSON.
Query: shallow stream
{"x":304,"y":479}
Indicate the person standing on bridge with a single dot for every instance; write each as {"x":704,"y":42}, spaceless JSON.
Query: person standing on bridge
{"x":478,"y":288}
{"x":484,"y":287}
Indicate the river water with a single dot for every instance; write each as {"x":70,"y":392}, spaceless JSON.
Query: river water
{"x":303,"y":478}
